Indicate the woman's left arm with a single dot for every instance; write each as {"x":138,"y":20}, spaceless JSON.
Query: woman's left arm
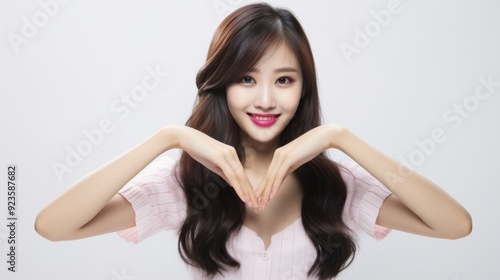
{"x":416,"y":205}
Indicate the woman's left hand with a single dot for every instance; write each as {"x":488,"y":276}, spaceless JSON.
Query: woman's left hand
{"x":291,"y":156}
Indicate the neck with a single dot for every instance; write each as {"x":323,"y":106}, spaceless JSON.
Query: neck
{"x":258,"y":156}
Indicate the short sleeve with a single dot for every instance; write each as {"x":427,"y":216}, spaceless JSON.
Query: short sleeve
{"x":157,"y":199}
{"x":365,"y":196}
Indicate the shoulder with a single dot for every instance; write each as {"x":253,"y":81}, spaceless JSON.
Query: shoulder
{"x":156,"y":198}
{"x":365,"y":196}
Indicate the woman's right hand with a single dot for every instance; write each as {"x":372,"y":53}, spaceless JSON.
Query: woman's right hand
{"x":92,"y":205}
{"x":218,"y":157}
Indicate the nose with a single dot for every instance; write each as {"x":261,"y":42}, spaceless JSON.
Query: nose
{"x":264,"y":97}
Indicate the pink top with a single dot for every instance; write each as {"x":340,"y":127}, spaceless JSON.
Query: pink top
{"x":159,"y":204}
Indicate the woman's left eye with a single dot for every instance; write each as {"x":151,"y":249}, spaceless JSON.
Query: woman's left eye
{"x":284,"y":80}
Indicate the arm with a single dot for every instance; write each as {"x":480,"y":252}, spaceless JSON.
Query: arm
{"x":93,"y":206}
{"x":417,"y":205}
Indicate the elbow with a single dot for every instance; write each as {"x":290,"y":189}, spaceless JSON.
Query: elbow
{"x":44,"y":229}
{"x":462,"y":228}
{"x":466,"y":228}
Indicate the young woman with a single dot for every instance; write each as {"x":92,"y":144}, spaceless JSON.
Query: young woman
{"x":254,"y":195}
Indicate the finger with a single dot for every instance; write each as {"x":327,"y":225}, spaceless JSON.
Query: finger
{"x":244,"y":183}
{"x":263,"y":191}
{"x":238,"y":176}
{"x":233,"y":181}
{"x":251,"y":194}
{"x":242,"y":177}
{"x":278,"y":172}
{"x":278,"y":162}
{"x":259,"y":192}
{"x":265,"y":188}
{"x":280,"y":177}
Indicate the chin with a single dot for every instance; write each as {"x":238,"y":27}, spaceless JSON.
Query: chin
{"x":263,"y":139}
{"x":265,"y":135}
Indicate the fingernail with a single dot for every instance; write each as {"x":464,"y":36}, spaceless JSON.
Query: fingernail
{"x":272,"y":195}
{"x":244,"y":198}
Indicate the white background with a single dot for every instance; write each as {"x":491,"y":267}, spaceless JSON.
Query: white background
{"x":65,"y":77}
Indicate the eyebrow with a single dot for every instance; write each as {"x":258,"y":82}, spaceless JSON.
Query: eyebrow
{"x":278,"y":70}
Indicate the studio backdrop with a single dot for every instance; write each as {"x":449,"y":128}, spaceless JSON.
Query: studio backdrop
{"x":81,"y":82}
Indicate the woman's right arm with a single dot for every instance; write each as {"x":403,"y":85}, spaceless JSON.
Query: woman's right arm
{"x":92,"y":205}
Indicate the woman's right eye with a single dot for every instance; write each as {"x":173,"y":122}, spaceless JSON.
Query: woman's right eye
{"x":247,"y":80}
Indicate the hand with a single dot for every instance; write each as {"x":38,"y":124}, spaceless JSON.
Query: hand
{"x":291,"y":156}
{"x":220,"y":158}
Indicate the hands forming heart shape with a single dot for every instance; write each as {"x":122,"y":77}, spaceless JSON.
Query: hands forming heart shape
{"x":223,"y":160}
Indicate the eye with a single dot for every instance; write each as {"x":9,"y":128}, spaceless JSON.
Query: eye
{"x":247,"y":80}
{"x":284,"y":80}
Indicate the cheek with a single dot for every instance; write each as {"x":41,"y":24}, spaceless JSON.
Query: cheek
{"x":238,"y":97}
{"x":234,"y":100}
{"x":291,"y":102}
{"x":231,"y":97}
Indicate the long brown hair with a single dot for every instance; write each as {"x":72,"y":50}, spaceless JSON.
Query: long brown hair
{"x":239,"y":42}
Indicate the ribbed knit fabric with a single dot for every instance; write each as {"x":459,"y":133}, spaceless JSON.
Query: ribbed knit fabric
{"x":159,"y":204}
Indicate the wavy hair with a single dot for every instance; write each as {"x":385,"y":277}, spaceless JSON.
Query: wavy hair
{"x":238,"y":44}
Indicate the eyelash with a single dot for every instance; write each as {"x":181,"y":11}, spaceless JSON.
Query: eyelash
{"x":246,"y":77}
{"x":290,"y":80}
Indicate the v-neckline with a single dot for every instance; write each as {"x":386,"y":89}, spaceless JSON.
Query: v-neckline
{"x":273,"y":235}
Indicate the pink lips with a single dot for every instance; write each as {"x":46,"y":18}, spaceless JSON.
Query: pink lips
{"x":264,"y":119}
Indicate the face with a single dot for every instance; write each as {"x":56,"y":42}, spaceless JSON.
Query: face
{"x":265,"y":99}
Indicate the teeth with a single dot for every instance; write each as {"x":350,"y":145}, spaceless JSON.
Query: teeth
{"x":262,"y":118}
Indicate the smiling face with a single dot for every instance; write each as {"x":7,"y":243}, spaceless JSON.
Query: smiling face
{"x":265,"y":99}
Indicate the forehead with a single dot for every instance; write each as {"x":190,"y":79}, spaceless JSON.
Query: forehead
{"x":278,"y":56}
